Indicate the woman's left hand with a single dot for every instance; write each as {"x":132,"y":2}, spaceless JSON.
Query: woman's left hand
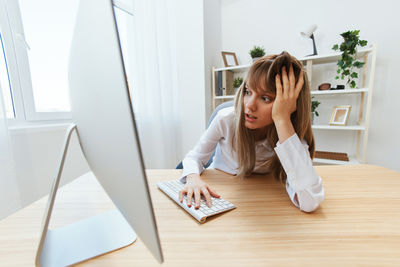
{"x":287,"y":92}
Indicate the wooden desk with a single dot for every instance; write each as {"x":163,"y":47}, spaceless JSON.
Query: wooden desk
{"x":357,"y":224}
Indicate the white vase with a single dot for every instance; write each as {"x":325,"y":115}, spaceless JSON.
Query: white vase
{"x":255,"y":59}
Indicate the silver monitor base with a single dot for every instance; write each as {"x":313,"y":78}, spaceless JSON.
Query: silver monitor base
{"x":86,"y":239}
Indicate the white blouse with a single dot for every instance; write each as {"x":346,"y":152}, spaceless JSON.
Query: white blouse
{"x":302,"y":180}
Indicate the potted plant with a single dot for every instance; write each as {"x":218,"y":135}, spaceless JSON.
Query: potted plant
{"x":237,"y":82}
{"x":314,"y":105}
{"x":348,"y":60}
{"x":257,"y":52}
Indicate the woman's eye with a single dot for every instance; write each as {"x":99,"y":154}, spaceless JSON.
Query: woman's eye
{"x":266,"y":98}
{"x":246,"y":92}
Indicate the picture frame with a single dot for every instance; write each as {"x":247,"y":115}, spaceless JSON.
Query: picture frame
{"x":340,"y":115}
{"x":229,"y":59}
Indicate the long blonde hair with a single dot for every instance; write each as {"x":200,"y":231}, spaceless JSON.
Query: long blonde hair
{"x":261,"y":77}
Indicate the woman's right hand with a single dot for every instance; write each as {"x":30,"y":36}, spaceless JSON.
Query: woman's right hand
{"x":195,"y":185}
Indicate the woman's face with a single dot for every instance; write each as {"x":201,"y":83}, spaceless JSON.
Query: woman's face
{"x":257,"y":106}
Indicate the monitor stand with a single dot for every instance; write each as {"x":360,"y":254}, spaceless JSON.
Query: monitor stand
{"x":84,"y":239}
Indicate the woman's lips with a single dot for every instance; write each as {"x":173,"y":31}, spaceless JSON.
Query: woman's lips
{"x":250,"y":118}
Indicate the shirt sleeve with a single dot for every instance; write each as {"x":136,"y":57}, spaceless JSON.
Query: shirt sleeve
{"x":195,"y":160}
{"x":302,"y":179}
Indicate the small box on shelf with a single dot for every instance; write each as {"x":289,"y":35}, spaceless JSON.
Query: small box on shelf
{"x":224,"y":83}
{"x":331,"y":155}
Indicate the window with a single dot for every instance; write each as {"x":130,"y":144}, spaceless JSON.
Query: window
{"x":48,"y":28}
{"x":36,"y":37}
{"x":5,"y":83}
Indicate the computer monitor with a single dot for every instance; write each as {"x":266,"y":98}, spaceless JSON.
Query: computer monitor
{"x":103,"y":114}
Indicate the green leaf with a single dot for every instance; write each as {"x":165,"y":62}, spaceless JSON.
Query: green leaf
{"x":353,"y":84}
{"x":337,"y":77}
{"x":363,"y":42}
{"x":335,"y":47}
{"x":350,"y":44}
{"x":338,"y":71}
{"x":358,"y":64}
{"x":354,"y":75}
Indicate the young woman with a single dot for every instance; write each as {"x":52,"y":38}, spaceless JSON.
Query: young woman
{"x":267,"y":131}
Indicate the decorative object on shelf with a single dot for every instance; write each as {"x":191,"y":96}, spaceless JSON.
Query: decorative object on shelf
{"x":314,"y":105}
{"x":338,"y":87}
{"x":257,"y":52}
{"x":348,"y":59}
{"x":309,"y":33}
{"x":229,"y":59}
{"x":237,"y":82}
{"x":324,"y":86}
{"x":340,"y":115}
{"x":225,"y":83}
{"x":331,"y":155}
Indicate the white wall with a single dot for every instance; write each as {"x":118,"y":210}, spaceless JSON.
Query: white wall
{"x":212,"y":46}
{"x":277,"y":26}
{"x":37,"y":151}
{"x":9,"y":192}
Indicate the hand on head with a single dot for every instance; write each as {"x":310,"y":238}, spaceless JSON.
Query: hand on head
{"x":287,"y":92}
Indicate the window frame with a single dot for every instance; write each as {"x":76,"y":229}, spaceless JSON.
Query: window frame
{"x":16,"y":54}
{"x":19,"y":70}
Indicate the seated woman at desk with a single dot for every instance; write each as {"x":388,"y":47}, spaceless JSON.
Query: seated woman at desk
{"x":267,"y":131}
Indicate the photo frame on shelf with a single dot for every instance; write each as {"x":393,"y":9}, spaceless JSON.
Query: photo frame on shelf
{"x":229,"y":59}
{"x":340,"y":115}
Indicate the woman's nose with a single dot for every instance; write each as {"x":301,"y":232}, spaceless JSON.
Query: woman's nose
{"x":251,"y":103}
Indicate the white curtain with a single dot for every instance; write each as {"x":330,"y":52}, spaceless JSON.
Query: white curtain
{"x":153,"y":81}
{"x":9,"y":194}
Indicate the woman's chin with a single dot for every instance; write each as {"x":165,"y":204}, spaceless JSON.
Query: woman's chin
{"x":250,"y":126}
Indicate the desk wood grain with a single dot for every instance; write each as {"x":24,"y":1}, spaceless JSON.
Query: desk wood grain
{"x":358,"y":224}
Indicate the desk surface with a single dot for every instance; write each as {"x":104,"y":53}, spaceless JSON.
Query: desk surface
{"x":357,"y":224}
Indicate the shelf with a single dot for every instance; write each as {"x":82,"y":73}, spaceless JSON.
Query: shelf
{"x":344,"y":91}
{"x":318,"y":59}
{"x":225,"y":97}
{"x":334,"y":57}
{"x":336,"y":127}
{"x":317,"y":92}
{"x":239,"y":68}
{"x":351,"y":161}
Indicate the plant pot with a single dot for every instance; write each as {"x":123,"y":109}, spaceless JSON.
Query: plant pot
{"x":255,"y":59}
{"x":312,"y":117}
{"x":236,"y":89}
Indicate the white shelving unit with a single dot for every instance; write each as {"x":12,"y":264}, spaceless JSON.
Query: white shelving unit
{"x":365,"y":94}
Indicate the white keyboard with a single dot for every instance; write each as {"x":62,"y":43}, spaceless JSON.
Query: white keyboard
{"x":219,"y":205}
